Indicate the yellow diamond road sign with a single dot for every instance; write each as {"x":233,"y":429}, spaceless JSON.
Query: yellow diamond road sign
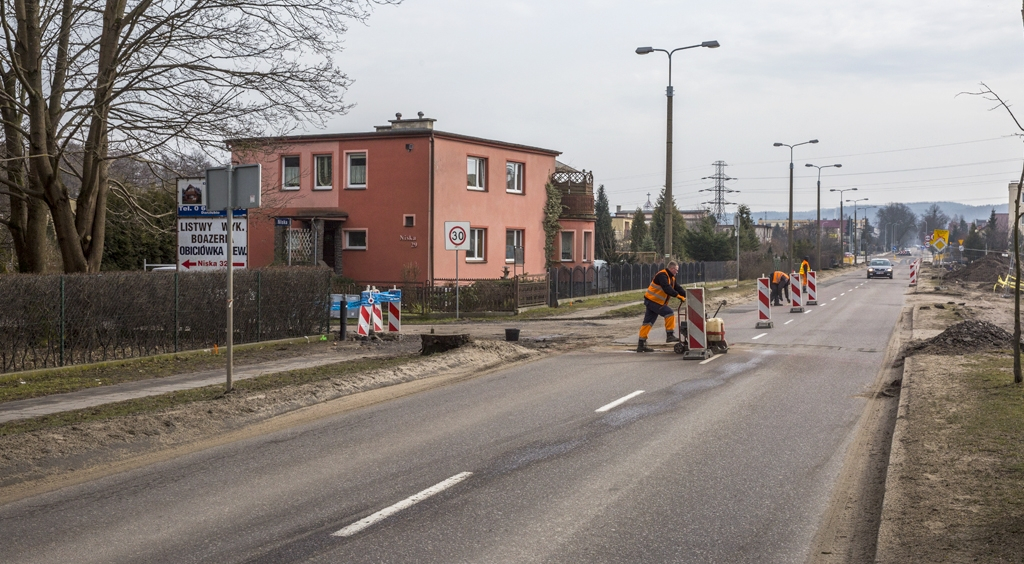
{"x":939,"y":245}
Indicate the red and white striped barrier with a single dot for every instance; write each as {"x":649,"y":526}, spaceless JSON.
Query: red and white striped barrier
{"x":697,"y":339}
{"x":378,"y":319}
{"x":363,"y":327}
{"x":764,"y":308}
{"x":913,"y":273}
{"x":795,"y":292}
{"x":812,"y":287}
{"x":394,"y":317}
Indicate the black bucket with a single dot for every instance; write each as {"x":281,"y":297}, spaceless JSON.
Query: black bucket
{"x":511,"y":334}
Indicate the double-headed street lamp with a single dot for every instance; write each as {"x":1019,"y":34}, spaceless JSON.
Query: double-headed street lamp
{"x":669,"y":202}
{"x":842,"y":221}
{"x":790,"y":232}
{"x":819,"y":204}
{"x":856,"y":242}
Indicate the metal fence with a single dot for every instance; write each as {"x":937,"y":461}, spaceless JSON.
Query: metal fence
{"x":578,"y":282}
{"x":60,"y":320}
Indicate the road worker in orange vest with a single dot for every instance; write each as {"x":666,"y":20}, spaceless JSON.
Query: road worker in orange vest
{"x":662,"y":288}
{"x":805,"y":267}
{"x":780,"y":282}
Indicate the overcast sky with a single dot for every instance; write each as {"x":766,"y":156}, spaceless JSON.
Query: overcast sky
{"x":876,"y":81}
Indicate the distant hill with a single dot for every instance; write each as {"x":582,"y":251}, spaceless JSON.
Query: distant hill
{"x":970,"y":213}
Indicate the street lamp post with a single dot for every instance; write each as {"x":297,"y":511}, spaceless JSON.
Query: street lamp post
{"x":790,"y":231}
{"x":819,"y":204}
{"x":842,"y":222}
{"x":856,"y":240}
{"x":669,"y":202}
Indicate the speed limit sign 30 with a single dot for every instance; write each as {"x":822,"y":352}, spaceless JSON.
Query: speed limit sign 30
{"x":456,"y":235}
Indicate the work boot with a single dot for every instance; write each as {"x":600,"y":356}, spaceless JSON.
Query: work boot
{"x":670,"y":337}
{"x":641,"y":346}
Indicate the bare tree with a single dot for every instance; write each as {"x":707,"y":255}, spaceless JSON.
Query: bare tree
{"x":87,"y":81}
{"x":988,"y":94}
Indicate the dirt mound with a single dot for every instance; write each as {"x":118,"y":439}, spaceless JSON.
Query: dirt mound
{"x":985,"y":269}
{"x":964,"y":338}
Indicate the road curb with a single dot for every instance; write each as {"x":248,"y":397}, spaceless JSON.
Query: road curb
{"x":894,"y":496}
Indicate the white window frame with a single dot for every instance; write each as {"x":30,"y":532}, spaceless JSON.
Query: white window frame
{"x":514,"y":176}
{"x":478,"y":245}
{"x":517,"y":237}
{"x":316,"y":172}
{"x":349,"y":185}
{"x":561,"y":246}
{"x":588,"y":240}
{"x":345,"y":239}
{"x":284,"y":172}
{"x":480,"y":171}
{"x":406,"y":218}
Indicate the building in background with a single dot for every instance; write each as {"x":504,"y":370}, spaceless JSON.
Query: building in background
{"x":372,"y":205}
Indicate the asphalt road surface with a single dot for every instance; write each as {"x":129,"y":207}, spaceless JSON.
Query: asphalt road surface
{"x":595,"y":456}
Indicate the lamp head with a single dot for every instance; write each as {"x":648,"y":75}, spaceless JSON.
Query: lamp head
{"x":838,"y":165}
{"x":778,"y":144}
{"x":644,"y":50}
{"x":712,"y":44}
{"x":813,"y":141}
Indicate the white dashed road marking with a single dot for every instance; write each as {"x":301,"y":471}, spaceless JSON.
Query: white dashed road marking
{"x":619,"y":401}
{"x":404,"y":504}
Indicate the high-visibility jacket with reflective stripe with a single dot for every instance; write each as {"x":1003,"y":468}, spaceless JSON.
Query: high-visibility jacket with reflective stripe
{"x":778,"y":276}
{"x":655,"y":292}
{"x":805,"y":267}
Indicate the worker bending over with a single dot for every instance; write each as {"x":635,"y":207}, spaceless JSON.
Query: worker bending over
{"x":656,"y":299}
{"x":780,"y":282}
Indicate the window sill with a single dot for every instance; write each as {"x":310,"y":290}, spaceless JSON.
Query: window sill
{"x":289,"y":188}
{"x":518,"y":192}
{"x":476,"y":260}
{"x":354,"y":249}
{"x":476,"y":189}
{"x":357,"y":187}
{"x":323,"y":188}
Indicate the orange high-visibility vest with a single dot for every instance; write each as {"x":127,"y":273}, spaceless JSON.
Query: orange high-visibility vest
{"x":778,"y":276}
{"x":654,"y":291}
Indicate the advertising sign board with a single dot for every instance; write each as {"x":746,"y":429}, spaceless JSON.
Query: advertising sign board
{"x":202,"y":242}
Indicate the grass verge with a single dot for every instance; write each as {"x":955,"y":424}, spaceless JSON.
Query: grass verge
{"x":161,"y":402}
{"x":38,"y":383}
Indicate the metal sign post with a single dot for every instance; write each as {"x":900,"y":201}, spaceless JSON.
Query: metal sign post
{"x":456,"y":238}
{"x":228,"y":188}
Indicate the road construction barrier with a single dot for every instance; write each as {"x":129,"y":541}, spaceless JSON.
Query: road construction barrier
{"x":913,"y":273}
{"x":795,"y":292}
{"x":764,"y":308}
{"x":697,"y":339}
{"x":394,"y":317}
{"x":363,"y":326}
{"x":812,"y":287}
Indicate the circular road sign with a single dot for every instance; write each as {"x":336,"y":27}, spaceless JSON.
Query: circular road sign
{"x":457,"y":235}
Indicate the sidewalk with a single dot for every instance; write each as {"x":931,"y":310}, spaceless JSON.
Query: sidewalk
{"x":91,"y":397}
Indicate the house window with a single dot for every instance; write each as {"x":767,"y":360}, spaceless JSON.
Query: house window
{"x":476,"y":172}
{"x":355,"y":239}
{"x":587,"y":241}
{"x":324,"y":172}
{"x":409,"y":220}
{"x":514,"y":177}
{"x":290,"y":173}
{"x":513,"y":239}
{"x":356,"y":170}
{"x":476,"y":245}
{"x":567,"y":240}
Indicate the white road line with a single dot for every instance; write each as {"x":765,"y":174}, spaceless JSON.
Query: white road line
{"x":825,"y":304}
{"x":759,"y":336}
{"x":843,"y":294}
{"x":834,"y":299}
{"x":404,"y":504}
{"x":788,"y":322}
{"x":808,"y":311}
{"x":619,"y":401}
{"x":710,"y":359}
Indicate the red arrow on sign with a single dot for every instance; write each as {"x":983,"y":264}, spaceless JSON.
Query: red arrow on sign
{"x":188,"y":264}
{"x":238,"y":264}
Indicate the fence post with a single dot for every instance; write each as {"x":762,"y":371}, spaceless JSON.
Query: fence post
{"x":259,"y":306}
{"x":63,"y":314}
